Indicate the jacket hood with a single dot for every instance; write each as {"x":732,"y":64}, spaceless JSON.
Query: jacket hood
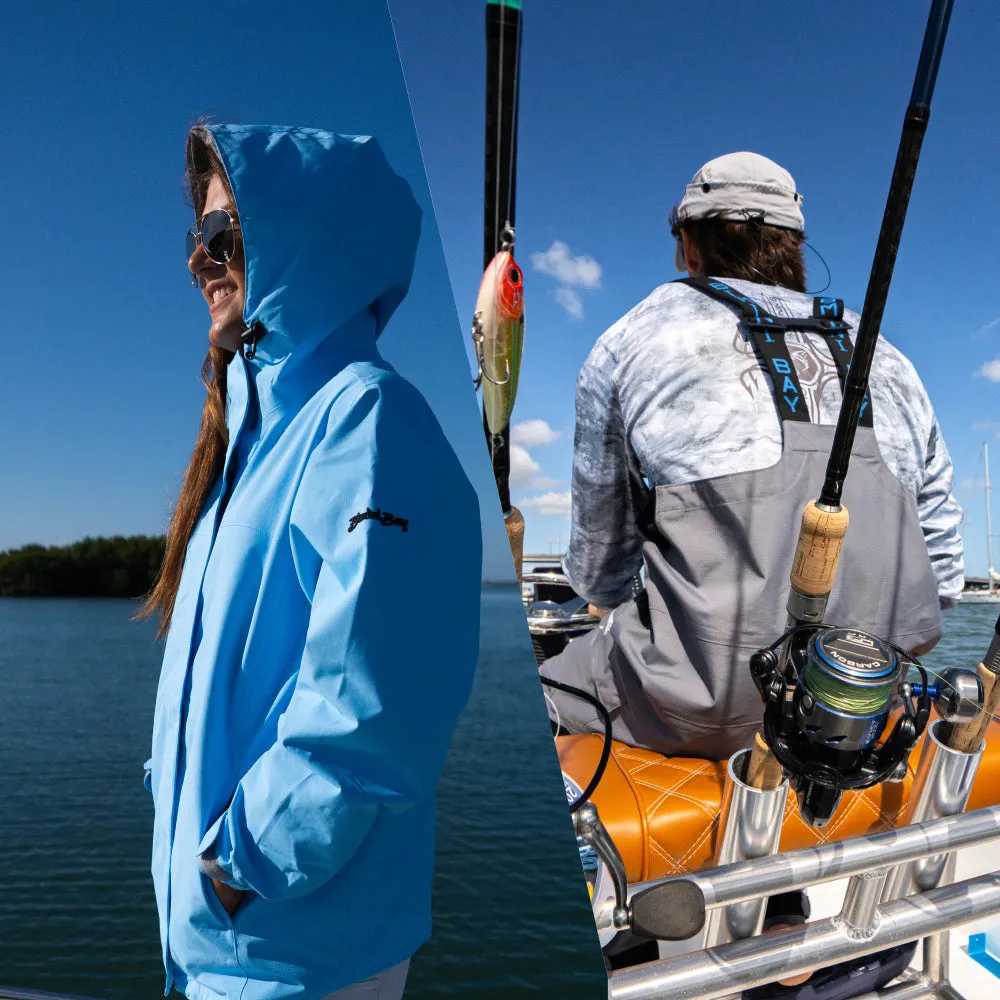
{"x":328,"y":228}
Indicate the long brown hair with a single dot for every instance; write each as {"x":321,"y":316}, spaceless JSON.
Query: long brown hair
{"x":734,"y":249}
{"x":209,"y":453}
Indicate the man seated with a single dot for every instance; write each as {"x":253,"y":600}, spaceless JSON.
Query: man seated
{"x":699,"y":440}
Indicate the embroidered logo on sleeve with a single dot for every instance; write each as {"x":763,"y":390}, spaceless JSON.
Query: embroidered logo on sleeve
{"x":377,"y":515}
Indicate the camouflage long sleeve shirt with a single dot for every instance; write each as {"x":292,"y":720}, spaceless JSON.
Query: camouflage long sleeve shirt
{"x":673,"y":393}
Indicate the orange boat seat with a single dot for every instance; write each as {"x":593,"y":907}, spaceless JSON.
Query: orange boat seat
{"x":663,"y":812}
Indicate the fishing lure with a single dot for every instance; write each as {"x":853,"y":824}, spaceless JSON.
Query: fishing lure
{"x":498,"y":337}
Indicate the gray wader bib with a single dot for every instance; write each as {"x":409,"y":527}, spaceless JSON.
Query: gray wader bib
{"x":671,"y":666}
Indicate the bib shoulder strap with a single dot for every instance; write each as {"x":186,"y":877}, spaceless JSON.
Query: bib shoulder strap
{"x":827,"y":307}
{"x":766,"y":331}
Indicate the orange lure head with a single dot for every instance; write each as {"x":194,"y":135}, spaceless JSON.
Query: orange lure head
{"x":499,"y":336}
{"x":509,"y":286}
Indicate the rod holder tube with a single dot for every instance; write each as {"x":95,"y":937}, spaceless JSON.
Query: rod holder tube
{"x":859,"y":914}
{"x":941,"y":788}
{"x":741,"y":965}
{"x":749,"y":827}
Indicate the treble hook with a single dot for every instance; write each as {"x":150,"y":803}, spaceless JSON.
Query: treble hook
{"x":478,"y":338}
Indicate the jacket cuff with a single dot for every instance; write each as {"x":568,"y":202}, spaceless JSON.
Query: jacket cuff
{"x":215,"y":855}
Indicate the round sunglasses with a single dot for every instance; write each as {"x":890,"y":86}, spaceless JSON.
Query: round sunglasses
{"x":216,"y":232}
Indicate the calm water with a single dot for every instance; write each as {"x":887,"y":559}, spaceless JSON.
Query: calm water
{"x":77,"y":684}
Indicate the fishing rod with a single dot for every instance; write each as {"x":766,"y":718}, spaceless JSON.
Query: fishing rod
{"x":828,"y":691}
{"x":914,"y":126}
{"x":498,"y":322}
{"x":824,"y":522}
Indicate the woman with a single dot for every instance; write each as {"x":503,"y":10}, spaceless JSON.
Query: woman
{"x":306,"y":700}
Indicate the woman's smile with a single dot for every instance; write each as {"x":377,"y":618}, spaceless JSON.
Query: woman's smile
{"x":222,"y":285}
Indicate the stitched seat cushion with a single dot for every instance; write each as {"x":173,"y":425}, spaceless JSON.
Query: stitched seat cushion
{"x":663,"y":812}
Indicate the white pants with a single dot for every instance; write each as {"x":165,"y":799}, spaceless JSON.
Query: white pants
{"x":386,"y":985}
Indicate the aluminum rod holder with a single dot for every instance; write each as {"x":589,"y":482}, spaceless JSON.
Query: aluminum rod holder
{"x":859,"y":914}
{"x":941,"y":788}
{"x":749,"y":827}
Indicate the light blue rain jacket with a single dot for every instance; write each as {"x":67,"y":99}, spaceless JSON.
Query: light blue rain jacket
{"x":308,"y":692}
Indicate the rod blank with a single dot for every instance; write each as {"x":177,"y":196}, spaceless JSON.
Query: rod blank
{"x":914,"y":126}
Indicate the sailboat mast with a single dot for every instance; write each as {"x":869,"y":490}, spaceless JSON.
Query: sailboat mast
{"x":989,"y":527}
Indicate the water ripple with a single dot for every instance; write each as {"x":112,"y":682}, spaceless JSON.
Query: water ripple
{"x":77,"y":684}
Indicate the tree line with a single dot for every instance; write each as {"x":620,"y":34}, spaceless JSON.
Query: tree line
{"x":94,"y":567}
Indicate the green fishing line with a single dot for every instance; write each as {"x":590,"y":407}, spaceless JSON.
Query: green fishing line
{"x":843,"y":696}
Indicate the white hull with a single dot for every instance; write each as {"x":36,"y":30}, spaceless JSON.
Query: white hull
{"x":972,"y":597}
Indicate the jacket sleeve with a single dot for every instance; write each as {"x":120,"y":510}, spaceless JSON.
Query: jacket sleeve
{"x":941,"y":519}
{"x":604,"y":552}
{"x":373,"y":705}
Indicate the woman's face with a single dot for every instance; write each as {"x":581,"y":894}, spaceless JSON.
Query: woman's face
{"x":223,"y":285}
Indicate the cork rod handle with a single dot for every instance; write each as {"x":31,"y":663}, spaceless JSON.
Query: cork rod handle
{"x":515,"y":536}
{"x":967,"y":737}
{"x":763,"y":770}
{"x":821,"y":537}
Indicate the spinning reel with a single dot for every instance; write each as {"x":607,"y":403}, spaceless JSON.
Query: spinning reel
{"x":828,"y":694}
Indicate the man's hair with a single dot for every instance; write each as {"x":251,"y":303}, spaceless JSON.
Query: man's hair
{"x":750,"y":250}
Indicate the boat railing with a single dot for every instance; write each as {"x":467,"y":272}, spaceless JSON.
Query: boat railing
{"x":865,"y":924}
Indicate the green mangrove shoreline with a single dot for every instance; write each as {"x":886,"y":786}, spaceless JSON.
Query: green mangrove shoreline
{"x":94,"y":567}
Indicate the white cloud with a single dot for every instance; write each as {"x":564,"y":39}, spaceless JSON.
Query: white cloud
{"x":533,"y":433}
{"x":523,"y":468}
{"x":991,"y":370}
{"x":524,"y":471}
{"x":570,"y":300}
{"x":582,"y":270}
{"x":572,"y":273}
{"x":549,"y":504}
{"x":987,"y":328}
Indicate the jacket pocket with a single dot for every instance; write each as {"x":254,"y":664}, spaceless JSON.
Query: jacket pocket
{"x":214,"y":904}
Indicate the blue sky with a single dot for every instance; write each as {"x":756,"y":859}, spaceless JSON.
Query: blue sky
{"x":103,"y":335}
{"x":620,"y":104}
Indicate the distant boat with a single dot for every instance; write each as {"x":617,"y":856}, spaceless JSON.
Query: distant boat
{"x":988,"y":594}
